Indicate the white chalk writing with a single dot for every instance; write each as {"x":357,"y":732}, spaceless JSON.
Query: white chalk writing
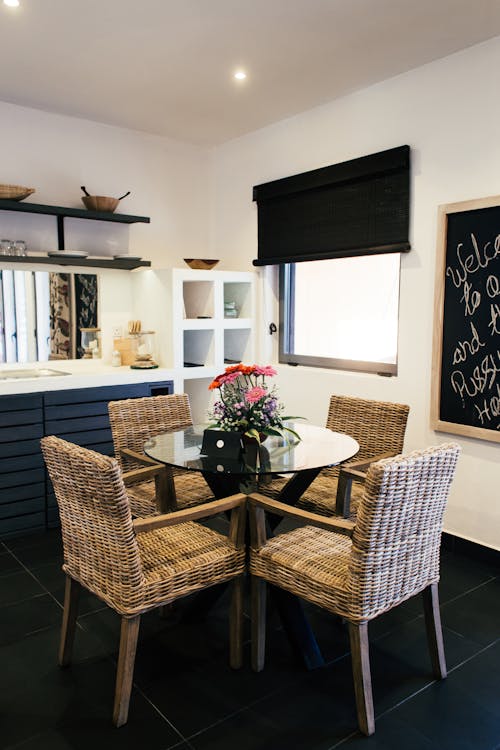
{"x":472,"y":301}
{"x":464,"y":348}
{"x":478,"y":258}
{"x":483,"y":377}
{"x":492,"y":286}
{"x":494,"y":323}
{"x":489,"y":409}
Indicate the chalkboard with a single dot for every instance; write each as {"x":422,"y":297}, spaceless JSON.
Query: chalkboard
{"x":466,"y":352}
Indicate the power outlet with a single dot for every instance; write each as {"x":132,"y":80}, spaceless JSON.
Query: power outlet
{"x":117,"y":332}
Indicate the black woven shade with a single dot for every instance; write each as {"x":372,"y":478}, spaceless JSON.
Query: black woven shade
{"x":358,"y":207}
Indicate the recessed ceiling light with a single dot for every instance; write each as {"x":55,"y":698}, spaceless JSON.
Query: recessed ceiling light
{"x":11,"y":3}
{"x":240,"y":75}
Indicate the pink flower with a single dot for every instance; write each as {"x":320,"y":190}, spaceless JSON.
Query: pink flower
{"x":228,"y":378}
{"x":266,"y":370}
{"x":255,"y":394}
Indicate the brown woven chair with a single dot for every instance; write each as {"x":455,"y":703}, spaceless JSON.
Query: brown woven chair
{"x":360,"y":570}
{"x":135,"y":566}
{"x":379,"y":428}
{"x":152,"y":487}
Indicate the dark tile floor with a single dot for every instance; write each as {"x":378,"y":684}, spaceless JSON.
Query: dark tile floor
{"x":186,"y":696}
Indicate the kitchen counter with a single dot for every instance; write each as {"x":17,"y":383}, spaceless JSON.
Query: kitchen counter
{"x":85,"y":373}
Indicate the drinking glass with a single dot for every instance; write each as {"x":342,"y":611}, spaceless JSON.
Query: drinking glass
{"x":19,"y":248}
{"x":5,"y":247}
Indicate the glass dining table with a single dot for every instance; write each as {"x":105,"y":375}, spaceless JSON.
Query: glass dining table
{"x":300,"y":461}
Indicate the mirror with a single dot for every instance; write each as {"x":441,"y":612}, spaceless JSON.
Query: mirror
{"x":42,"y":314}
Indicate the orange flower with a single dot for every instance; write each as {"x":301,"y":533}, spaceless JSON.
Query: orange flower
{"x":214,"y":384}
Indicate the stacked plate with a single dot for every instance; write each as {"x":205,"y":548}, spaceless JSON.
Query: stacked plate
{"x":67,"y":254}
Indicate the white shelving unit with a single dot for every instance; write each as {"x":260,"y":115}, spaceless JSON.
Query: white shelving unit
{"x":205,"y":341}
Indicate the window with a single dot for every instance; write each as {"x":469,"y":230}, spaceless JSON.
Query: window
{"x":341,"y":313}
{"x":23,"y":300}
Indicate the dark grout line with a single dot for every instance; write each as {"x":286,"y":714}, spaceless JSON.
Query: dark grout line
{"x":465,"y":593}
{"x":473,"y":656}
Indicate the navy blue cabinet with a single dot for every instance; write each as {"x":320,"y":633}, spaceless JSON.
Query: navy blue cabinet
{"x":22,"y":472}
{"x":27,"y":500}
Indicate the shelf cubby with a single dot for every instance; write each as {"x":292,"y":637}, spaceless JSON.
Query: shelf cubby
{"x":198,"y":298}
{"x":239,"y":292}
{"x":237,"y":345}
{"x":199,"y":348}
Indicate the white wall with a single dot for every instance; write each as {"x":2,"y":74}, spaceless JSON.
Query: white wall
{"x":448,"y":112}
{"x":168,"y":180}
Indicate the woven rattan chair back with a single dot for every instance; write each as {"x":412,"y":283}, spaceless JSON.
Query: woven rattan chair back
{"x":396,"y":541}
{"x":100,"y":548}
{"x":135,"y":420}
{"x":378,"y":426}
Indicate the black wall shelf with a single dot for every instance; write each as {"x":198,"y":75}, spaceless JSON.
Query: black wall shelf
{"x":123,"y":264}
{"x":62,"y":212}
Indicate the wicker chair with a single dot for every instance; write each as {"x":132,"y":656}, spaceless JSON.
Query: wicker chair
{"x":153,"y":488}
{"x":136,"y":566}
{"x":379,"y":427}
{"x":360,"y":570}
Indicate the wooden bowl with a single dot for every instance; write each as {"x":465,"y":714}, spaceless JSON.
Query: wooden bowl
{"x":201,"y":264}
{"x":100,"y":203}
{"x":15,"y":192}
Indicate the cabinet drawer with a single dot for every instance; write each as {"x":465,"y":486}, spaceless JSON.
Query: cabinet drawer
{"x":104,"y":393}
{"x":20,"y":463}
{"x":16,"y":479}
{"x":20,"y":448}
{"x":26,"y":492}
{"x":19,"y":524}
{"x":87,"y":438}
{"x":24,"y":432}
{"x":22,"y":508}
{"x":73,"y":411}
{"x":19,"y":403}
{"x":20,"y":417}
{"x":68,"y":426}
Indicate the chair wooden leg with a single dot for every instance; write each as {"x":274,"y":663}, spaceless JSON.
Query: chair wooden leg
{"x":70,"y":614}
{"x":258,"y":594}
{"x":125,"y":672}
{"x":432,"y":615}
{"x":360,"y":654}
{"x":236,"y":624}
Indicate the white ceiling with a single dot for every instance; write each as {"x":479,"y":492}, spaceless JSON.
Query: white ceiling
{"x":165,"y":66}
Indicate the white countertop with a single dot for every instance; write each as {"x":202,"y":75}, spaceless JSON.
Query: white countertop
{"x":82,"y":374}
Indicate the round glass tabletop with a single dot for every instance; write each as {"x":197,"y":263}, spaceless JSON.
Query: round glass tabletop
{"x":319,"y":447}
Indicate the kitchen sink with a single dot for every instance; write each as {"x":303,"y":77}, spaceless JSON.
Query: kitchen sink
{"x":39,"y":372}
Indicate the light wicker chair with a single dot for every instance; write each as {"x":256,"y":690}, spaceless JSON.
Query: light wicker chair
{"x":360,"y":570}
{"x":379,"y":428}
{"x":152,"y":487}
{"x":136,"y":566}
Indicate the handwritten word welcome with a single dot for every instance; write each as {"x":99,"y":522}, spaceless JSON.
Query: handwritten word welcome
{"x":478,"y":258}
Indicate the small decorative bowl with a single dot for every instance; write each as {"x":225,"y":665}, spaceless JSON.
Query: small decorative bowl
{"x":100,"y":203}
{"x":201,"y":264}
{"x":15,"y":192}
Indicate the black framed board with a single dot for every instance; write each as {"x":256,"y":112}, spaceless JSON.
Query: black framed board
{"x":466,"y":349}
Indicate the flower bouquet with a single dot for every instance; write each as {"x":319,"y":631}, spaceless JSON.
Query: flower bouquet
{"x":247,"y":404}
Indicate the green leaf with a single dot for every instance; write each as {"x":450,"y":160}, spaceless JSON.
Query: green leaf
{"x":253,"y":433}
